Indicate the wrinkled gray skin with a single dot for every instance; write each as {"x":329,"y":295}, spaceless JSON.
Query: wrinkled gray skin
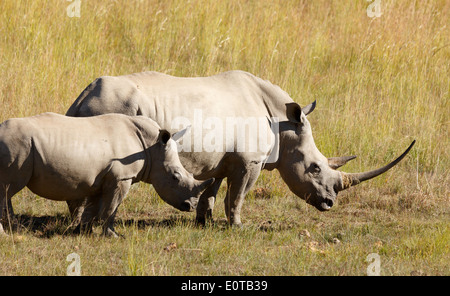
{"x":308,"y":173}
{"x":93,"y":160}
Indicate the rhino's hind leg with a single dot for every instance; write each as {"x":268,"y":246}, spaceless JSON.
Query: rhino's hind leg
{"x":7,"y":191}
{"x":206,"y":202}
{"x":112,"y":196}
{"x":3,"y":214}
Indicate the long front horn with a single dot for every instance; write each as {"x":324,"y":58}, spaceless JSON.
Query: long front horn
{"x":349,"y":180}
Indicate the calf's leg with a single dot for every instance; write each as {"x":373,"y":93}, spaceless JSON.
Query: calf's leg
{"x":76,"y":208}
{"x":206,"y":202}
{"x":89,"y":211}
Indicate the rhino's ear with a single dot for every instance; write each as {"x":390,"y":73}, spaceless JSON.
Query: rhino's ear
{"x":294,"y":112}
{"x":310,"y":108}
{"x":178,"y":135}
{"x":164,"y":136}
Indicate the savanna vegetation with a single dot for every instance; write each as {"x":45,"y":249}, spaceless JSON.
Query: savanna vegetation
{"x":379,"y":83}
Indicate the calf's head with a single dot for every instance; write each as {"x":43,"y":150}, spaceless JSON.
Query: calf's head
{"x":174,"y":184}
{"x":308,"y":173}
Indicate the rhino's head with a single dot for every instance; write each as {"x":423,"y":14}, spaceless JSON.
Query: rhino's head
{"x":308,"y":173}
{"x":174,"y":184}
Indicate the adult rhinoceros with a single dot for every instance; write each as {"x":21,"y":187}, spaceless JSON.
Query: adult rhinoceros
{"x":98,"y":158}
{"x":237,"y":95}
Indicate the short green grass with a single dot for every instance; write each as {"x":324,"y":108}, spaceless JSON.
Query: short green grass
{"x":379,"y":83}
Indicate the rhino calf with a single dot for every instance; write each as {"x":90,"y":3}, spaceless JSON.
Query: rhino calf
{"x":94,"y":159}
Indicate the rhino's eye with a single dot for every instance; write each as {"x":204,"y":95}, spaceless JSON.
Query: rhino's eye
{"x":315,"y":168}
{"x":177,"y":176}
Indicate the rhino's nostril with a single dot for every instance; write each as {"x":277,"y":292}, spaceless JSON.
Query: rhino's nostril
{"x":186,"y":206}
{"x":329,"y":202}
{"x":326,"y":204}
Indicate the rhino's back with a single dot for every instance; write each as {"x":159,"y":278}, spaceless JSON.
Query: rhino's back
{"x":163,"y":97}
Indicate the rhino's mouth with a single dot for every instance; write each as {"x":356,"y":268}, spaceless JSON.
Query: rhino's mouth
{"x":187,"y":206}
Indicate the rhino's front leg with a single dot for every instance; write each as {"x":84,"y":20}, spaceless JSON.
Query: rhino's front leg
{"x":205,"y":204}
{"x":238,"y":186}
{"x":112,"y":196}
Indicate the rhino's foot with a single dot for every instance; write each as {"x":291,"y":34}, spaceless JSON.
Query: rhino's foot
{"x":11,"y":224}
{"x":76,"y":230}
{"x":109,"y":232}
{"x":2,"y":231}
{"x":235,"y":222}
{"x":201,"y":220}
{"x":237,"y":225}
{"x":85,"y":229}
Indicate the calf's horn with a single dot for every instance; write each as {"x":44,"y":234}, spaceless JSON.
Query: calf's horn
{"x":349,"y":180}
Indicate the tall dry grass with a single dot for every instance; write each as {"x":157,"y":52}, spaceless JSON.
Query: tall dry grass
{"x":379,"y":82}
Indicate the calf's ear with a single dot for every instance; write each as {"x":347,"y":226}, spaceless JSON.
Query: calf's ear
{"x":164,"y":136}
{"x":294,"y":112}
{"x":178,"y":135}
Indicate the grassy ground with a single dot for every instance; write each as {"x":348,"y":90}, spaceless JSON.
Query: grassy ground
{"x":379,"y":84}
